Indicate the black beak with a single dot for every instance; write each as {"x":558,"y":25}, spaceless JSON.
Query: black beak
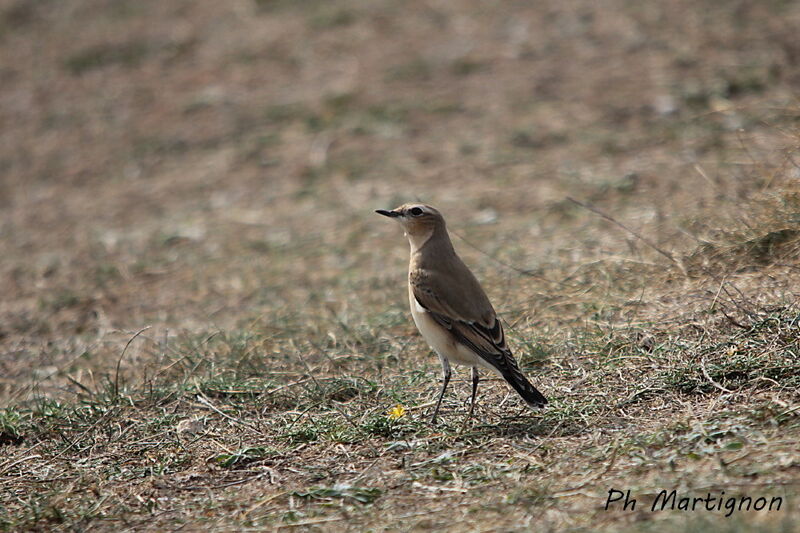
{"x":390,"y":214}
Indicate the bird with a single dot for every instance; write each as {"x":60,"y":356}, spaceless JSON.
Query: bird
{"x":451,"y":309}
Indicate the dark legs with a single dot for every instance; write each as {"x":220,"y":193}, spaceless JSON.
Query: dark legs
{"x":446,"y":373}
{"x":472,"y":400}
{"x":445,"y":380}
{"x":474,"y":391}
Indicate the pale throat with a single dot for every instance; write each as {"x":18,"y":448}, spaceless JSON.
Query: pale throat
{"x":418,"y":240}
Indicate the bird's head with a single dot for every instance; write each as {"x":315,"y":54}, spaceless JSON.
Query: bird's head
{"x":418,"y":220}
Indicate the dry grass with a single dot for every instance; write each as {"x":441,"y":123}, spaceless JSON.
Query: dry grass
{"x":203,"y":324}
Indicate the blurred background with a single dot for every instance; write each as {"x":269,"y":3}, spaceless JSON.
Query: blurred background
{"x":195,"y":292}
{"x":199,"y":164}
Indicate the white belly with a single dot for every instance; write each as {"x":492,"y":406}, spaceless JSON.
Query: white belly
{"x":440,"y":340}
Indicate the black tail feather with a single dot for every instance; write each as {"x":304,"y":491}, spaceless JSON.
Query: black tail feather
{"x":529,"y":393}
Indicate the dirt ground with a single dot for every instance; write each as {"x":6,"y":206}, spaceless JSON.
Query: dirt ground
{"x":204,"y":325}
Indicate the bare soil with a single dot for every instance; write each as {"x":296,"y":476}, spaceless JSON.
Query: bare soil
{"x":203,"y":324}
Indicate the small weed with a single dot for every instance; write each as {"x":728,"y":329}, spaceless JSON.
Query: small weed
{"x":465,"y":67}
{"x":61,"y":299}
{"x":363,"y":495}
{"x":10,"y":426}
{"x":415,"y":70}
{"x":338,"y":390}
{"x":243,"y":457}
{"x":331,"y":18}
{"x":127,"y":55}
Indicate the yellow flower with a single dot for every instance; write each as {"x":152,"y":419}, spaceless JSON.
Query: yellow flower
{"x":398,"y":411}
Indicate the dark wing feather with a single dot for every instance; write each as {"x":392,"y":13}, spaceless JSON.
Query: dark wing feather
{"x":487,"y":341}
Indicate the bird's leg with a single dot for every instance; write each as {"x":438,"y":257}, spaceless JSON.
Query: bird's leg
{"x":475,"y":378}
{"x":445,"y":380}
{"x":472,"y":401}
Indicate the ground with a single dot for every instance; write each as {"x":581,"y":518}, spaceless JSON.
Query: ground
{"x":204,"y":325}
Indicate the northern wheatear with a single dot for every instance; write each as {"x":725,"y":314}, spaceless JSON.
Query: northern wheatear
{"x":450,"y":308}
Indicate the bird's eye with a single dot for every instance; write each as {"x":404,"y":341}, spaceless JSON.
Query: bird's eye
{"x":415,"y":211}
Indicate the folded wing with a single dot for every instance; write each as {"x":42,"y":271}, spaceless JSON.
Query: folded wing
{"x":473,"y":323}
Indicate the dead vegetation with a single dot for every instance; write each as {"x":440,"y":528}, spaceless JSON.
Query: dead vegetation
{"x":203,"y":327}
